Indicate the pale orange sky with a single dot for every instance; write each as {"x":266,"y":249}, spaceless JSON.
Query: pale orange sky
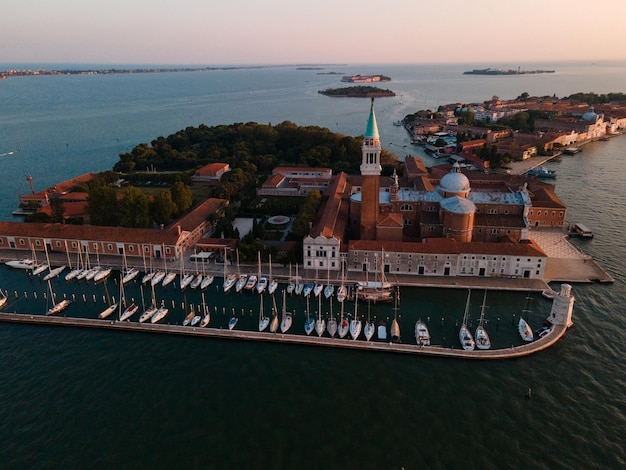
{"x":325,"y":31}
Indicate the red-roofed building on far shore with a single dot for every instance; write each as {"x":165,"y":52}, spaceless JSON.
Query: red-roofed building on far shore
{"x":295,"y":181}
{"x":440,"y":221}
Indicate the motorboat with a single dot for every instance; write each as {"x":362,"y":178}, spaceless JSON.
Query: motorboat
{"x":26,"y":264}
{"x":129,"y":312}
{"x":465,"y":337}
{"x":422,"y":335}
{"x":481,"y":337}
{"x":108,"y":311}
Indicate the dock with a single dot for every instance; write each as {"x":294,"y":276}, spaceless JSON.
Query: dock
{"x":558,"y":331}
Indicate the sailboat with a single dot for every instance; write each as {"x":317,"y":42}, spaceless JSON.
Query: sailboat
{"x":355,"y":323}
{"x":317,"y":286}
{"x":291,"y":286}
{"x":160,"y":314}
{"x":130,"y":309}
{"x":169,"y":276}
{"x":241,"y":278}
{"x":465,"y":337}
{"x":481,"y":337}
{"x":344,"y":327}
{"x":111,"y":308}
{"x":263,"y":320}
{"x":151,"y":310}
{"x":4,"y":298}
{"x":329,"y":290}
{"x":102,"y":274}
{"x":342,"y":291}
{"x":395,"y":327}
{"x":52,"y":273}
{"x":37,"y":268}
{"x":95,"y":269}
{"x":129,"y":273}
{"x":261,"y":284}
{"x":287,"y":318}
{"x":523,"y":327}
{"x":331,"y":325}
{"x":422,"y":335}
{"x":273,"y":283}
{"x":229,"y":279}
{"x":233,"y":321}
{"x":275,"y":322}
{"x":309,"y":323}
{"x":57,"y":307}
{"x":299,"y":284}
{"x":207,"y":314}
{"x":196,"y":319}
{"x":149,"y":274}
{"x":378,"y":290}
{"x":189,"y":316}
{"x":368,"y":331}
{"x":320,"y":324}
{"x":185,"y":277}
{"x":197,"y":280}
{"x":73,"y":271}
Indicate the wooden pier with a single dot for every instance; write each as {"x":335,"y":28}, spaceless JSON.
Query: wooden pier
{"x":558,"y":331}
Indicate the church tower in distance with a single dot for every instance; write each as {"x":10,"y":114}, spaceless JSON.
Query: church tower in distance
{"x":370,"y":172}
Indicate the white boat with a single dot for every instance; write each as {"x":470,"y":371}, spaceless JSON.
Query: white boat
{"x":481,"y":337}
{"x":186,"y":280}
{"x":207,"y":314}
{"x":168,"y":279}
{"x":102,"y":274}
{"x":331,"y":324}
{"x":286,"y":317}
{"x":241,"y":282}
{"x":58,"y":307}
{"x":73,"y":274}
{"x":317,"y":289}
{"x":320,"y":324}
{"x":130,"y":274}
{"x":299,"y":285}
{"x":272,"y":283}
{"x":40,"y":269}
{"x":92,"y":273}
{"x":369,"y":328}
{"x":355,"y":323}
{"x":195,"y":320}
{"x":306,"y":290}
{"x":263,"y":320}
{"x":261,"y":284}
{"x":381,"y":331}
{"x":207,"y":280}
{"x":157,"y":278}
{"x":197,"y":280}
{"x":343,"y":327}
{"x":329,"y":290}
{"x":523,"y":327}
{"x":147,"y":277}
{"x":54,"y":273}
{"x":129,"y":312}
{"x":229,"y":279}
{"x":422,"y":335}
{"x":148,"y":313}
{"x":189,"y":317}
{"x":342,"y":293}
{"x":26,"y":264}
{"x":465,"y":337}
{"x":309,"y":322}
{"x":232,"y":322}
{"x":275,"y":321}
{"x":160,"y":314}
{"x":108,"y":311}
{"x":251,"y":282}
{"x":291,"y":286}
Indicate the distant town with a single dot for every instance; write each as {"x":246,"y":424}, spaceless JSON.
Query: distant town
{"x":490,"y":71}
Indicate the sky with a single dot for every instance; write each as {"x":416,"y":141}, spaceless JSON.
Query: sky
{"x":249,"y":32}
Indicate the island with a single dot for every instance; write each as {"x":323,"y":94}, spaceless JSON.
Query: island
{"x":490,"y":71}
{"x":357,"y":92}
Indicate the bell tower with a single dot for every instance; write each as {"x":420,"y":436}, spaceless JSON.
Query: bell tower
{"x":370,"y":171}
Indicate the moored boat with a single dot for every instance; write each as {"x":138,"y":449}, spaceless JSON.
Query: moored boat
{"x":129,"y":312}
{"x":465,"y":337}
{"x":108,"y":311}
{"x":54,"y":273}
{"x":286,"y":317}
{"x":25,"y":263}
{"x":58,"y":307}
{"x":160,"y":314}
{"x":422,"y":335}
{"x":481,"y":337}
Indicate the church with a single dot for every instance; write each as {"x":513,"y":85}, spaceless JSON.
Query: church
{"x":437,"y":222}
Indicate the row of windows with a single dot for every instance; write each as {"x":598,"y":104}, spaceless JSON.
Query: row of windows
{"x":61,"y":245}
{"x":545,"y":213}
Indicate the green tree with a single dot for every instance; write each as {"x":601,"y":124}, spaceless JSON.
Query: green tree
{"x":102,"y":206}
{"x":162,"y":207}
{"x":181,"y":195}
{"x":57,"y":210}
{"x":135,"y":209}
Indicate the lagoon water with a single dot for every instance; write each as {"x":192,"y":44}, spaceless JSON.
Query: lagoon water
{"x":78,"y":398}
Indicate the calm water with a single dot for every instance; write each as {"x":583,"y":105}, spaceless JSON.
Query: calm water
{"x":80,"y":398}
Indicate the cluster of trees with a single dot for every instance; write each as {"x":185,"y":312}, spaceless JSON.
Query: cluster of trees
{"x":263,"y":145}
{"x":357,"y":91}
{"x":135,"y":209}
{"x":593,"y":98}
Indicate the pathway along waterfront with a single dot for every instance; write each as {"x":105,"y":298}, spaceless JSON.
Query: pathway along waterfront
{"x":560,"y":318}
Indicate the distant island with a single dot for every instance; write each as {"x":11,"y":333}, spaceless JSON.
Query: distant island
{"x":490,"y":71}
{"x":365,"y":78}
{"x":357,"y":92}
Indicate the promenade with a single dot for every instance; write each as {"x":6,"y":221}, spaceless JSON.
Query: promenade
{"x":403,"y":348}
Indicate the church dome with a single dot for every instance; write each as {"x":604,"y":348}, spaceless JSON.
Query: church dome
{"x":590,"y":115}
{"x":455,"y":181}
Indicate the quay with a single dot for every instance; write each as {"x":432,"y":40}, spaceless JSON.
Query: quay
{"x":558,"y":331}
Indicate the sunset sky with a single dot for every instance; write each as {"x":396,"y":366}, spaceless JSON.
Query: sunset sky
{"x":326,"y":31}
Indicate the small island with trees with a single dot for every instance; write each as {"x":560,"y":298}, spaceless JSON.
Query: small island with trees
{"x":360,"y":91}
{"x":490,"y":71}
